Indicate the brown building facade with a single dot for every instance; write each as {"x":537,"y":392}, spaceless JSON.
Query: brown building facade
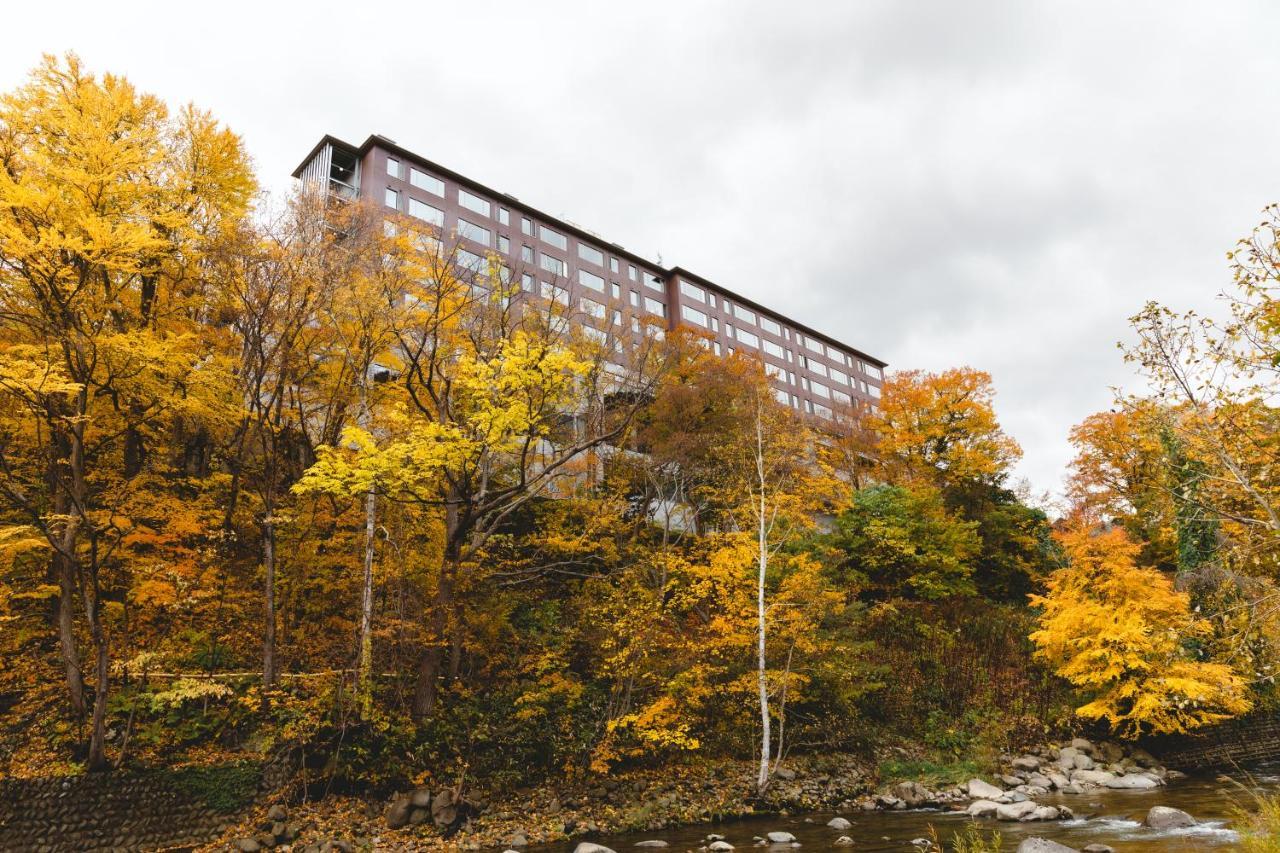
{"x":606,"y":285}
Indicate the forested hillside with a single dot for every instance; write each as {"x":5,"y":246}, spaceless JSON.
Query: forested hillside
{"x":287,"y":475}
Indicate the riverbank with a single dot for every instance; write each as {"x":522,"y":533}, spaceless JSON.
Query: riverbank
{"x":1037,"y":786}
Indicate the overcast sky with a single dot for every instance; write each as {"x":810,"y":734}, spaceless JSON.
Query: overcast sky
{"x":946,"y":183}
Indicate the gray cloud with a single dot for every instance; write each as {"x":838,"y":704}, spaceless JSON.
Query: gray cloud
{"x":997,"y":184}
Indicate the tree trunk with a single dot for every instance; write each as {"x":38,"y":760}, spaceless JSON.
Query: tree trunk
{"x":98,"y":738}
{"x":427,"y":692}
{"x":66,"y":631}
{"x":269,"y":599}
{"x":762,"y":778}
{"x":364,"y":665}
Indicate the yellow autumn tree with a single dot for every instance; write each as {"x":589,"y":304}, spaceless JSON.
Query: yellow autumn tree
{"x":108,"y":204}
{"x":1122,"y":635}
{"x":941,"y":428}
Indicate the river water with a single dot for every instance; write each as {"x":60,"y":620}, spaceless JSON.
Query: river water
{"x":1107,"y":817}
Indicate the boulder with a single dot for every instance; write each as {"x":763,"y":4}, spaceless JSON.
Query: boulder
{"x":982,"y":808}
{"x":1026,"y":762}
{"x":588,"y":847}
{"x":785,"y":773}
{"x":843,"y":841}
{"x":1083,"y":762}
{"x":1097,"y":848}
{"x":1164,"y":817}
{"x":417,"y":817}
{"x":772,"y":837}
{"x":1042,"y":813}
{"x":276,"y":813}
{"x":1058,"y":780}
{"x":1131,"y":781}
{"x":1043,"y":845}
{"x":1142,"y":758}
{"x":1011,"y":781}
{"x":979,"y":790}
{"x":913,"y":794}
{"x":247,"y":845}
{"x":720,"y":846}
{"x":519,"y":840}
{"x":1082,"y":745}
{"x":421,"y":798}
{"x":1016,"y":811}
{"x":398,"y":812}
{"x":654,"y":843}
{"x":1108,"y":752}
{"x":1092,"y":777}
{"x":840,"y":823}
{"x":444,"y":811}
{"x":1040,"y":780}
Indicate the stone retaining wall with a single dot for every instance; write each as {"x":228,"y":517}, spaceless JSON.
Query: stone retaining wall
{"x":1245,"y":741}
{"x":128,"y":810}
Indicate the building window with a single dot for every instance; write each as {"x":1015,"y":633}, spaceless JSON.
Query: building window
{"x":773,"y":349}
{"x":474,"y":203}
{"x":473,"y":232}
{"x":635,"y":298}
{"x":392,"y":199}
{"x":820,"y":390}
{"x":744,"y":314}
{"x":614,"y":290}
{"x":613,"y":265}
{"x":554,"y":265}
{"x":423,"y":181}
{"x":526,"y":225}
{"x":426,"y":212}
{"x":711,"y":300}
{"x":394,"y":168}
{"x":655,"y":307}
{"x":526,"y":253}
{"x":774,"y":372}
{"x":821,"y":411}
{"x":770,"y":326}
{"x":653,"y":281}
{"x":834,"y":354}
{"x":816,"y":367}
{"x":590,"y":306}
{"x":635,"y":325}
{"x":748,"y":338}
{"x":790,"y":356}
{"x":839,"y":376}
{"x":814,"y":346}
{"x":874,"y":391}
{"x":556,"y":294}
{"x":715,"y":325}
{"x":472,"y":261}
{"x":693,"y":291}
{"x":617,"y":318}
{"x":555,"y":238}
{"x":504,"y":216}
{"x":715,"y":347}
{"x":791,"y":377}
{"x":841,"y":397}
{"x":591,"y":280}
{"x":527,"y":282}
{"x":781,"y":396}
{"x":504,"y":244}
{"x":694,"y":316}
{"x":590,"y":253}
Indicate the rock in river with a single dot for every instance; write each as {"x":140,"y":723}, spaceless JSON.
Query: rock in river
{"x":1043,"y":845}
{"x":1132,"y":781}
{"x":774,"y":838}
{"x":980,"y":790}
{"x":839,"y":823}
{"x":651,"y":843}
{"x":1163,"y":817}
